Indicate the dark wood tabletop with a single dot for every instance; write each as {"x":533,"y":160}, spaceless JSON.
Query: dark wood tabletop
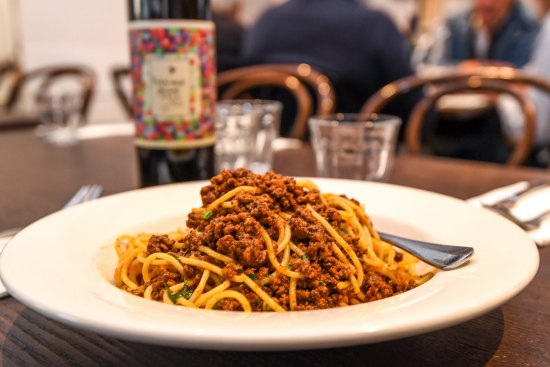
{"x":37,"y":179}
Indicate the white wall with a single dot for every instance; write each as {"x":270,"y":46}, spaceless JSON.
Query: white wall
{"x":77,"y":31}
{"x":94,"y":32}
{"x":8,"y":38}
{"x":89,"y":32}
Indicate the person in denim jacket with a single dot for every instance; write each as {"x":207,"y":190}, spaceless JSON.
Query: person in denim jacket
{"x":360,"y":49}
{"x":498,"y":30}
{"x":510,"y":112}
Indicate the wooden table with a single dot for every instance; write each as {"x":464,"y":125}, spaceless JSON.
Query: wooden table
{"x":37,"y":179}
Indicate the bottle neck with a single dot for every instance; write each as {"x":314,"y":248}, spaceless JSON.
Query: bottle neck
{"x":169,"y":9}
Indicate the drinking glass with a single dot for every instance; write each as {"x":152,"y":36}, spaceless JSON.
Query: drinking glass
{"x":245,"y":132}
{"x":354,"y":146}
{"x":59,"y":118}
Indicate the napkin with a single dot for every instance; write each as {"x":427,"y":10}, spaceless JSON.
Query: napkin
{"x":527,"y":207}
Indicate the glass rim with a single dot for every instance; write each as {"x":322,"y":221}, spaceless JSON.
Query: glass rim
{"x":359,"y":119}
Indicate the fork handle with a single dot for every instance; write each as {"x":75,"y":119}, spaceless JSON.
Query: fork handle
{"x":505,"y":213}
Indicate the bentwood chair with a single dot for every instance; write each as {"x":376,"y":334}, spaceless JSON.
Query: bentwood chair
{"x":120,"y":77}
{"x":492,"y":80}
{"x":309,"y":87}
{"x":240,"y":82}
{"x":48,"y":80}
{"x":10,"y":75}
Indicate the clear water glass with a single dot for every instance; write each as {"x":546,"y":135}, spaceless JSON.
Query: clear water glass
{"x":245,"y":131}
{"x":354,"y":146}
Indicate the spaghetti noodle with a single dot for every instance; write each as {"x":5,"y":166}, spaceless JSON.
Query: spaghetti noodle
{"x":266,"y":243}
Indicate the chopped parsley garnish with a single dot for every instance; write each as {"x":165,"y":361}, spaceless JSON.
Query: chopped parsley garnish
{"x":304,"y":257}
{"x":343,"y":230}
{"x":184,"y":292}
{"x":252,"y":276}
{"x":207,"y":215}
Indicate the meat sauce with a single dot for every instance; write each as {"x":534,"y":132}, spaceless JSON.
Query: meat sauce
{"x":235,"y":232}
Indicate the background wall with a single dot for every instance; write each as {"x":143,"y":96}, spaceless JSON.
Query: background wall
{"x":42,"y":32}
{"x":8,"y":28}
{"x":77,"y":31}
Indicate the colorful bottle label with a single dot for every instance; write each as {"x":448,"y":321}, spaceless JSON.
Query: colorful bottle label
{"x":174,"y":83}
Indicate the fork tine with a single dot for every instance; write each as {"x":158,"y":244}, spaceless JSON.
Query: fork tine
{"x":85,"y":193}
{"x":77,"y":198}
{"x":94,"y":192}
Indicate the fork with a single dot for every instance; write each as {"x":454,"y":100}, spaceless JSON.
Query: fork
{"x":526,"y":225}
{"x":445,"y":257}
{"x":511,"y":200}
{"x":85,"y":193}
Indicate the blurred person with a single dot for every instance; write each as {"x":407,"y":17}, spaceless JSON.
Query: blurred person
{"x":492,"y":32}
{"x":359,"y":49}
{"x":538,"y":65}
{"x":497,"y":30}
{"x":229,"y":33}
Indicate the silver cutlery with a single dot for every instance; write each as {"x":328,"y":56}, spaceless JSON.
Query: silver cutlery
{"x":85,"y":193}
{"x":527,"y":225}
{"x":444,"y":257}
{"x":512,"y":199}
{"x":504,"y":208}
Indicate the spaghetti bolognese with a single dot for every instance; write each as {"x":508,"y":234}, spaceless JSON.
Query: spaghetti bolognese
{"x":266,"y":243}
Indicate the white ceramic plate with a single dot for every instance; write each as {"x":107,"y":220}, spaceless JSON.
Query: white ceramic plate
{"x":62,"y":266}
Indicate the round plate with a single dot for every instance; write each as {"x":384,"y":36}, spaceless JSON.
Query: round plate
{"x":62,"y":266}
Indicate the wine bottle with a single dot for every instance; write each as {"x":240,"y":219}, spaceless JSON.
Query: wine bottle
{"x":173,"y":71}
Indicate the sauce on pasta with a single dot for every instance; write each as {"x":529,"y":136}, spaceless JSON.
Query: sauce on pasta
{"x":266,"y":243}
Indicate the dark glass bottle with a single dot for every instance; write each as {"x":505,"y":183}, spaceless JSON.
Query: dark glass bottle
{"x":174,"y":89}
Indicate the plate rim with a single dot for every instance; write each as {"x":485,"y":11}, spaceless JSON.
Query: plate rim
{"x":351,"y":337}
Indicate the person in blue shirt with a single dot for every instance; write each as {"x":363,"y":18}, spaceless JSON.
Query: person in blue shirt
{"x":359,"y":49}
{"x":510,"y":112}
{"x":229,"y":33}
{"x":496,"y":30}
{"x":492,"y":32}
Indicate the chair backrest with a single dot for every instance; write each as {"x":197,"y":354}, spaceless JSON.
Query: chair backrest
{"x":119,"y":77}
{"x":318,"y":83}
{"x":237,"y":89}
{"x":523,"y":146}
{"x":296,"y":78}
{"x":49,"y":76}
{"x":301,"y":80}
{"x":502,"y":80}
{"x":10,"y":76}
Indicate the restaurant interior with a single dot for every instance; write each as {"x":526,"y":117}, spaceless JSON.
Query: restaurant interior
{"x":307,"y":156}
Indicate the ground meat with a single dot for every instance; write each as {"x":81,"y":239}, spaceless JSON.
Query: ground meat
{"x":377,"y":287}
{"x":228,"y":304}
{"x":231,"y":270}
{"x":159,"y":243}
{"x":237,"y":236}
{"x":160,"y":282}
{"x":235,"y":230}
